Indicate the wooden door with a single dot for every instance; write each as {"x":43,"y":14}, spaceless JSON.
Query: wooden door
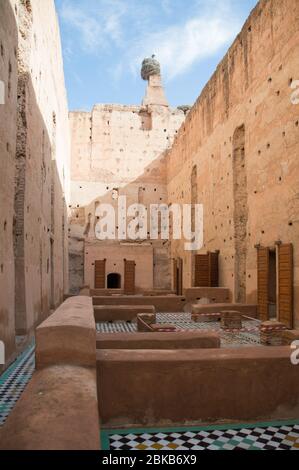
{"x":206,"y":270}
{"x":263,"y":282}
{"x":201,"y":277}
{"x":213,"y":269}
{"x":285,"y":284}
{"x":129,"y":282}
{"x":180,"y":276}
{"x":100,"y":274}
{"x":175,"y":275}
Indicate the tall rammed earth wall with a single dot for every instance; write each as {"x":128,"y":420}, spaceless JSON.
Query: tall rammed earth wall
{"x":242,"y":135}
{"x":118,"y":150}
{"x":34,"y":156}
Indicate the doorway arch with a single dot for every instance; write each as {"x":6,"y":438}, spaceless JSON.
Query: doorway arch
{"x":114,"y":281}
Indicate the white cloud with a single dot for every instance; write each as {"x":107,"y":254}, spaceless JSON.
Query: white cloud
{"x":98,"y":24}
{"x":181,"y":46}
{"x":132,"y":30}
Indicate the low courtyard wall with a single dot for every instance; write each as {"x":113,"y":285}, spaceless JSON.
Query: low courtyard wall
{"x":120,"y":312}
{"x":165,"y":340}
{"x":162,"y":303}
{"x":162,"y":387}
{"x":59,"y":407}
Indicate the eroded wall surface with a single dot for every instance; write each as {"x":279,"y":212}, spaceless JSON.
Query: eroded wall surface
{"x":119,"y":151}
{"x":38,"y":174}
{"x":8,"y":118}
{"x":242,"y":136}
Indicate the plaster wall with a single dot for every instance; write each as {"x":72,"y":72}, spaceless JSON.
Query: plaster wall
{"x":119,"y":151}
{"x":35,"y":177}
{"x":251,"y":87}
{"x":8,"y":118}
{"x":115,"y":255}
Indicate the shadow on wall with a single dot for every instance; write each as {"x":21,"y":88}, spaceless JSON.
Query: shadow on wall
{"x":8,"y":76}
{"x":35,"y":236}
{"x":39,"y":214}
{"x":148,"y":188}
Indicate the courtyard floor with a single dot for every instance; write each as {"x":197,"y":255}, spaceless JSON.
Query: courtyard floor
{"x":248,"y":336}
{"x":283,"y":435}
{"x":257,"y":436}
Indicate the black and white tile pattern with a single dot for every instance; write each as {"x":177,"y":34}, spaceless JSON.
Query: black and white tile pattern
{"x":14,"y":380}
{"x":260,"y":437}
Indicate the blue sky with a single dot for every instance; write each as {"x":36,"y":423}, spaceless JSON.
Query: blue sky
{"x":104,"y":42}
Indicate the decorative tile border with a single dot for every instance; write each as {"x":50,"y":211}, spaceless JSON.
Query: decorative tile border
{"x":283,"y":435}
{"x":14,"y":380}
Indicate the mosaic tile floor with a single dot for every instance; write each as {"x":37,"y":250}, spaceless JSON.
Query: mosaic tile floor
{"x":183,"y":321}
{"x":14,"y":380}
{"x":259,"y":436}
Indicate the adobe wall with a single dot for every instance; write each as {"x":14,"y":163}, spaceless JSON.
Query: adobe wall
{"x":118,"y":150}
{"x":242,"y":134}
{"x":209,"y":385}
{"x":59,"y":409}
{"x":8,"y":118}
{"x":115,"y":255}
{"x":36,"y":175}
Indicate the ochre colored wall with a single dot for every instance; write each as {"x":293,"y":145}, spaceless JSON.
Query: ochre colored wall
{"x":8,"y":119}
{"x":121,"y":148}
{"x":251,"y":87}
{"x":36,"y":158}
{"x":185,"y":386}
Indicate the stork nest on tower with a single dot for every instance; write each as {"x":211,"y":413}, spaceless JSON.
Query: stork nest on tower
{"x":150,"y":66}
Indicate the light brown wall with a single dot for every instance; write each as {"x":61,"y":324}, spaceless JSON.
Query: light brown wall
{"x":8,"y":117}
{"x":250,"y":87}
{"x":37,"y":176}
{"x":115,"y":255}
{"x":118,"y":147}
{"x":208,"y":384}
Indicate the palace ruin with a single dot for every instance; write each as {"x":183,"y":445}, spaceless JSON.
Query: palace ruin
{"x":144,"y":333}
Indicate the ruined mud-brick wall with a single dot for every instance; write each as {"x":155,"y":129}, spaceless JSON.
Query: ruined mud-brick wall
{"x":117,"y":150}
{"x":36,"y":179}
{"x":242,"y":135}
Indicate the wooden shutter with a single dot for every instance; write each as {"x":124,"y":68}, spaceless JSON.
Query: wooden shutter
{"x":180,"y":276}
{"x":263,"y":283}
{"x":175,"y":275}
{"x":100,"y":274}
{"x":129,"y":283}
{"x":285,"y":284}
{"x":206,"y":270}
{"x":213,"y":269}
{"x":201,"y":278}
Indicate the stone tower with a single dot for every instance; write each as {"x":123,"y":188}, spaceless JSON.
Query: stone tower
{"x":151,"y":71}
